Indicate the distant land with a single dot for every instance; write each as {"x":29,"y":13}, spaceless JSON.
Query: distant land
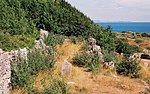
{"x":126,"y":26}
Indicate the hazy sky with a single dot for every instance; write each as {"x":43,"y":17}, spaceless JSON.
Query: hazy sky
{"x":114,"y":10}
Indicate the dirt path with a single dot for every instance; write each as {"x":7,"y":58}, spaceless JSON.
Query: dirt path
{"x":87,"y":83}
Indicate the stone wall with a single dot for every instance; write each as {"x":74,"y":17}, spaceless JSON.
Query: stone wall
{"x":7,"y":57}
{"x":5,"y":72}
{"x":5,"y":67}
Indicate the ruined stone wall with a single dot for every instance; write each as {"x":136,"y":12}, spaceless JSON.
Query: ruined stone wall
{"x":7,"y":57}
{"x":5,"y":72}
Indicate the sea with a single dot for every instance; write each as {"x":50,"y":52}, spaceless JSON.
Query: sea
{"x":127,"y":26}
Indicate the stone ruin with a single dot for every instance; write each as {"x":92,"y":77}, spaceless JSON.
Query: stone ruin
{"x":5,"y":72}
{"x":7,"y":57}
{"x":5,"y":67}
{"x":66,"y":69}
{"x":109,"y":65}
{"x":93,"y":47}
{"x":43,"y":34}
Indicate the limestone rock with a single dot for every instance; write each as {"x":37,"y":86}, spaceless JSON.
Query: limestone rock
{"x":43,"y":34}
{"x":92,"y":41}
{"x":109,"y":65}
{"x":66,"y":69}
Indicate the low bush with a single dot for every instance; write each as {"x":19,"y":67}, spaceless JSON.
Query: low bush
{"x":75,"y":39}
{"x":56,"y":87}
{"x":109,"y":56}
{"x":126,"y":48}
{"x":145,"y":35}
{"x":148,"y":48}
{"x":128,"y":68}
{"x":11,"y":42}
{"x":138,"y":41}
{"x":22,"y":70}
{"x":124,"y":39}
{"x":92,"y":62}
{"x":54,"y":39}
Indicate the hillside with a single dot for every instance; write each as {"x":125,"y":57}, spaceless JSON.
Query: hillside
{"x":49,"y":47}
{"x":21,"y":20}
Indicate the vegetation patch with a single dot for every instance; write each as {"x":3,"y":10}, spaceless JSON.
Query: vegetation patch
{"x":23,"y":70}
{"x":128,"y":68}
{"x":92,"y":62}
{"x":139,"y":41}
{"x":126,"y":48}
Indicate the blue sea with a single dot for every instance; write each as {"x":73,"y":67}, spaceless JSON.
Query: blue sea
{"x":127,"y":26}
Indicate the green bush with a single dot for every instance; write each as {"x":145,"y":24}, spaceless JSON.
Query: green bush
{"x":56,"y":87}
{"x":54,"y":39}
{"x":128,"y":68}
{"x":11,"y":42}
{"x":148,"y":48}
{"x":105,"y":38}
{"x":75,"y":39}
{"x":92,"y":62}
{"x":145,"y":35}
{"x":126,"y":48}
{"x":138,"y":41}
{"x":109,"y":56}
{"x":124,"y":39}
{"x":22,"y":70}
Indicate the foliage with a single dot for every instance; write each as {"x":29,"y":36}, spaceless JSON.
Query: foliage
{"x":56,"y":87}
{"x":126,"y":48}
{"x":138,"y":41}
{"x":25,"y":17}
{"x":148,"y":48}
{"x":92,"y":62}
{"x":105,"y":38}
{"x":128,"y":68}
{"x":9,"y":42}
{"x":54,"y":39}
{"x":145,"y":35}
{"x":110,"y":56}
{"x":75,"y":39}
{"x":22,"y":70}
{"x":124,"y":39}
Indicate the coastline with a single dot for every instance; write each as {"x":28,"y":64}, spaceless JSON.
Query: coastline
{"x":137,"y":27}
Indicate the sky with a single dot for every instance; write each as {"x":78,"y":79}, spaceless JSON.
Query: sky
{"x":114,"y":10}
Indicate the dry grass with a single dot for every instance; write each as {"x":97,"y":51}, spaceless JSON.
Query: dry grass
{"x":145,"y":41}
{"x":17,"y":91}
{"x":145,"y":71}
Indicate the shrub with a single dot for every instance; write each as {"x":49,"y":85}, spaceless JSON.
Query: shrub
{"x":105,"y":38}
{"x":126,"y":48}
{"x":145,"y":35}
{"x":124,"y":39}
{"x":109,"y":56}
{"x":56,"y":87}
{"x":138,"y":41}
{"x":22,"y":70}
{"x":75,"y":39}
{"x":148,"y":48}
{"x":92,"y":62}
{"x":128,"y":68}
{"x":11,"y":42}
{"x":54,"y":39}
